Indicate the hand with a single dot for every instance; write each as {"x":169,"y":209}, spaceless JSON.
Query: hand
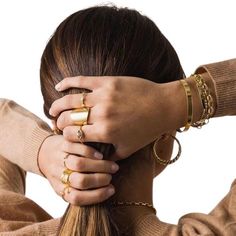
{"x":128,"y":112}
{"x":90,"y":171}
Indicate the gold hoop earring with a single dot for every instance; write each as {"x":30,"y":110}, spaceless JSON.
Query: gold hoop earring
{"x":162,"y":161}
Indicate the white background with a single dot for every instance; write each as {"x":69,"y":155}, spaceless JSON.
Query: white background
{"x":201,"y":31}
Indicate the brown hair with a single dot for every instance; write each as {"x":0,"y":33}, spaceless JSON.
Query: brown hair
{"x":102,"y":41}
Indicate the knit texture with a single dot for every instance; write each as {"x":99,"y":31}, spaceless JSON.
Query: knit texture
{"x":224,"y":78}
{"x":26,"y":136}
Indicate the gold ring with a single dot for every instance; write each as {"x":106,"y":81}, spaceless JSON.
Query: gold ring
{"x":80,"y":116}
{"x":80,"y":134}
{"x":66,"y":176}
{"x":66,"y":157}
{"x":83,"y":99}
{"x":63,"y":192}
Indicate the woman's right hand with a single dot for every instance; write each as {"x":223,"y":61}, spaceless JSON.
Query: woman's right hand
{"x":127,"y":112}
{"x":90,"y":181}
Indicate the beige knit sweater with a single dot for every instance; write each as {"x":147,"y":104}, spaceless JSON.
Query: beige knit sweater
{"x":21,"y":216}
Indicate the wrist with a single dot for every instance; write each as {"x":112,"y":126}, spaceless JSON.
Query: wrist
{"x":175,"y":107}
{"x":41,"y":154}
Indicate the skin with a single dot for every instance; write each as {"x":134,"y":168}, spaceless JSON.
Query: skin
{"x":80,"y":158}
{"x":109,"y":125}
{"x":158,"y":112}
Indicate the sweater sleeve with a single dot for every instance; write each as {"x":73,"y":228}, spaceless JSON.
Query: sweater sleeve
{"x":22,"y":134}
{"x":223,"y":75}
{"x":221,"y":221}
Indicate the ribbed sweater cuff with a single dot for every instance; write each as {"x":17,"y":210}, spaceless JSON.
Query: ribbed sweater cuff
{"x":32,"y":147}
{"x":224,"y":78}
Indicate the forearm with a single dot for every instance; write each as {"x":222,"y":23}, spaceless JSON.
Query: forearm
{"x":221,"y":81}
{"x":176,"y":103}
{"x":22,"y":134}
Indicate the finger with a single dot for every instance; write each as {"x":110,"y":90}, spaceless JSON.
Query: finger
{"x":86,"y":82}
{"x":96,"y":113}
{"x":89,"y":181}
{"x":64,"y":119}
{"x":81,"y":150}
{"x":71,"y":101}
{"x":82,"y":164}
{"x":88,"y":197}
{"x":91,"y":133}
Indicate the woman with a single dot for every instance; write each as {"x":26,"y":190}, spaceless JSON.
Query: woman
{"x":141,"y":217}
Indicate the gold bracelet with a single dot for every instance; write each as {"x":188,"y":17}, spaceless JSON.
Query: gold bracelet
{"x":206,"y":99}
{"x":189,"y":100}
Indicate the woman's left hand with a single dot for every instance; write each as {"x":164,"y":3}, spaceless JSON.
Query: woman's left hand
{"x":89,"y":181}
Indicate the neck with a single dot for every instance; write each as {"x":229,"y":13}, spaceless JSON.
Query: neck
{"x":133,"y":183}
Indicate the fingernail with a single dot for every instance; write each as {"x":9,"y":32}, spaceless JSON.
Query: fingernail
{"x":114,"y":167}
{"x":110,"y":191}
{"x":98,"y":155}
{"x":58,"y":86}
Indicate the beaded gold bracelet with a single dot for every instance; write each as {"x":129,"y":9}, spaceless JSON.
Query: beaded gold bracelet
{"x":189,"y":105}
{"x":206,"y":99}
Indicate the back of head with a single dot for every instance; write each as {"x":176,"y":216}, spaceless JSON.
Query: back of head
{"x":103,"y":41}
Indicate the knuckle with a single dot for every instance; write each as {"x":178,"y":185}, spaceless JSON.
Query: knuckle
{"x":75,"y":199}
{"x":112,"y":85}
{"x":106,"y":131}
{"x":108,"y":178}
{"x":66,"y":146}
{"x":104,"y":112}
{"x":85,"y":151}
{"x":67,"y":133}
{"x":101,"y":195}
{"x":80,"y":164}
{"x":82,"y":182}
{"x":97,"y":180}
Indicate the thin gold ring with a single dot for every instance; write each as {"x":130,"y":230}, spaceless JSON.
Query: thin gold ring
{"x":66,"y":157}
{"x":80,"y":134}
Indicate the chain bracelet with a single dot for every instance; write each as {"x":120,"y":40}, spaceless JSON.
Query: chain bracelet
{"x":207,"y":101}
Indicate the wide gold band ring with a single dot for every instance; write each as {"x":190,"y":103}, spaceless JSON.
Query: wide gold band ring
{"x":80,"y":116}
{"x":66,"y":176}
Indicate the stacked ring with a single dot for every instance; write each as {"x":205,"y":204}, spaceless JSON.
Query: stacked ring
{"x":66,"y":176}
{"x":80,"y":116}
